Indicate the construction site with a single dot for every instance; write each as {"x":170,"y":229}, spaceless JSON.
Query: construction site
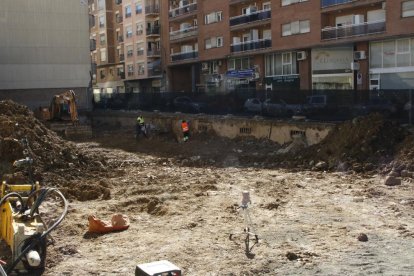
{"x":328,"y":199}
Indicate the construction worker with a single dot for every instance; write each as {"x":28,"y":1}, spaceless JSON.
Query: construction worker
{"x":140,"y":126}
{"x":185,"y":129}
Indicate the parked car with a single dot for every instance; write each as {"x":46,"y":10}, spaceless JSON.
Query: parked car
{"x":186,"y":104}
{"x":253,"y":105}
{"x":280,"y":108}
{"x":380,"y":105}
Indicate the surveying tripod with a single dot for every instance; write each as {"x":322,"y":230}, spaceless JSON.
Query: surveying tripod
{"x":248,"y":228}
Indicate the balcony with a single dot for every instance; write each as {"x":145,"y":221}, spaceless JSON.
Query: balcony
{"x":328,"y":3}
{"x":183,"y":10}
{"x":121,"y":57}
{"x":153,"y":52}
{"x":120,"y":39}
{"x":251,"y":45}
{"x":153,"y":31}
{"x":92,"y":44}
{"x":184,"y":56}
{"x":119,"y":18}
{"x":156,"y":71}
{"x":252,"y":17}
{"x":192,"y":31}
{"x":140,"y":52}
{"x":353,"y":30}
{"x":152,"y":10}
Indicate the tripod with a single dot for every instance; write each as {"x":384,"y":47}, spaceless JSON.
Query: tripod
{"x":247,"y":222}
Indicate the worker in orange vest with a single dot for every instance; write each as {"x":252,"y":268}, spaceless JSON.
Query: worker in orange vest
{"x":185,"y":129}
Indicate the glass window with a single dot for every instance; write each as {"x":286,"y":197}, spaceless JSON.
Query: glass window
{"x":128,"y":31}
{"x":281,"y":64}
{"x":286,"y":29}
{"x":245,"y":63}
{"x":103,"y":54}
{"x":138,"y":7}
{"x":102,"y":39}
{"x":101,"y":21}
{"x":127,"y":11}
{"x":408,"y":8}
{"x":207,"y":43}
{"x":287,"y":63}
{"x":403,"y":52}
{"x":141,"y":68}
{"x":388,"y":51}
{"x":220,"y":41}
{"x":101,"y":4}
{"x":304,"y":26}
{"x":376,"y":55}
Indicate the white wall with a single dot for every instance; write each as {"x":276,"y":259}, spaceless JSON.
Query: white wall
{"x":44,"y":44}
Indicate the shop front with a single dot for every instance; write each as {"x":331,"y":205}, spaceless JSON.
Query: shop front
{"x":331,"y":68}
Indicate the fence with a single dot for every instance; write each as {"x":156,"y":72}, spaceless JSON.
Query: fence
{"x":333,"y":105}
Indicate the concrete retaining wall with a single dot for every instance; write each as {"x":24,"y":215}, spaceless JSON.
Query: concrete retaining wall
{"x":224,"y":126}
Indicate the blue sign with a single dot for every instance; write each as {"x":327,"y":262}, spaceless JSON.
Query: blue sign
{"x":247,"y":73}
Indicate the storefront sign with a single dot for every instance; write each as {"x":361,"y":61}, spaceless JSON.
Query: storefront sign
{"x":332,"y":60}
{"x":288,"y":81}
{"x":248,"y":73}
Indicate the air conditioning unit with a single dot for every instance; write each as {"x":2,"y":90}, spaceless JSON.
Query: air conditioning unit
{"x":204,"y":66}
{"x":359,"y":55}
{"x":301,"y":55}
{"x":269,"y":87}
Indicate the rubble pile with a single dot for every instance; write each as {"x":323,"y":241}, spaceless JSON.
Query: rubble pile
{"x":56,"y":162}
{"x":363,"y":144}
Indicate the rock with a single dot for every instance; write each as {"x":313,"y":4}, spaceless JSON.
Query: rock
{"x":392,"y":181}
{"x":362,"y":237}
{"x":311,"y":163}
{"x":406,"y":173}
{"x":321,"y":165}
{"x":292,"y":256}
{"x":394,"y":173}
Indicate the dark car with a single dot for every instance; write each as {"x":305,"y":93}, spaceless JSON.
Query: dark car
{"x":280,"y":108}
{"x":380,"y":105}
{"x":186,"y":104}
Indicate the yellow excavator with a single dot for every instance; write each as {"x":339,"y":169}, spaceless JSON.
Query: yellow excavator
{"x":63,"y":107}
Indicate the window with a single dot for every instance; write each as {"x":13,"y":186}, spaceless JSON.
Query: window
{"x":403,"y":52}
{"x":140,"y":28}
{"x":141,"y":68}
{"x":101,"y":21}
{"x":213,"y":17}
{"x":120,"y":71}
{"x":296,"y":27}
{"x":103,"y":54}
{"x":239,"y":63}
{"x":128,"y":31}
{"x":127,"y":11}
{"x":267,"y":6}
{"x":408,"y":8}
{"x":130,"y":50}
{"x":130,"y":68}
{"x":290,"y":2}
{"x":140,"y":48}
{"x":101,"y":4}
{"x":138,"y":7}
{"x":213,"y":42}
{"x":102,"y":39}
{"x":281,"y":64}
{"x":102,"y":73}
{"x":118,"y":2}
{"x":392,"y":53}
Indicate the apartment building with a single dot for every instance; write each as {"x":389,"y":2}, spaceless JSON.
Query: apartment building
{"x":125,"y":45}
{"x":44,"y":51}
{"x":220,"y":45}
{"x":107,"y":48}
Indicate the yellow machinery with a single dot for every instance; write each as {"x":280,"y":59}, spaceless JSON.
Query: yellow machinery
{"x":63,"y":107}
{"x":21,"y":226}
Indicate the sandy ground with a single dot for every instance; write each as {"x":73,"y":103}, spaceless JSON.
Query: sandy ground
{"x":308,"y":222}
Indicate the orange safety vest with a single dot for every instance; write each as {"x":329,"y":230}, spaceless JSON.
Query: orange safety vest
{"x":184,"y":126}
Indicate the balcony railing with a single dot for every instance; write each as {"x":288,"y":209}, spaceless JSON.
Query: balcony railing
{"x":152,"y":9}
{"x":140,"y":52}
{"x":328,"y":3}
{"x":252,"y":17}
{"x":353,"y":30}
{"x":92,"y":44}
{"x":251,"y":45}
{"x":183,"y":10}
{"x":184,"y":56}
{"x":153,"y":52}
{"x":156,"y":71}
{"x":153,"y":30}
{"x":184,"y":33}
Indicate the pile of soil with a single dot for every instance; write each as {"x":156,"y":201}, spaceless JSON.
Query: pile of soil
{"x":56,"y":162}
{"x":363,"y":144}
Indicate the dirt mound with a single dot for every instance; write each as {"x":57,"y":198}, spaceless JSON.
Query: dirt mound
{"x":361,"y":144}
{"x":57,"y":163}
